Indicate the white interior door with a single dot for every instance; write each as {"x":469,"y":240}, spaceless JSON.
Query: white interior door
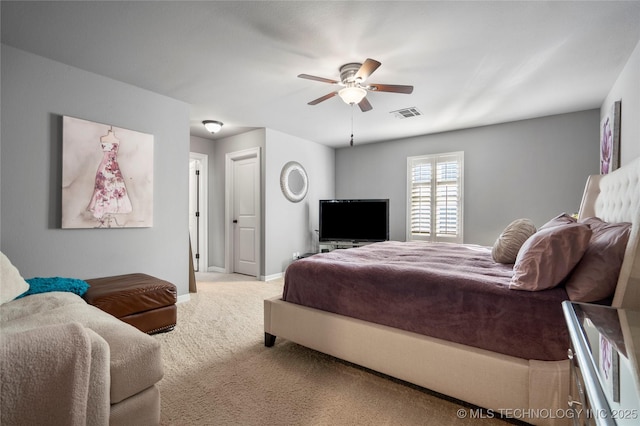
{"x":246,"y":215}
{"x":198,"y":222}
{"x":194,"y":211}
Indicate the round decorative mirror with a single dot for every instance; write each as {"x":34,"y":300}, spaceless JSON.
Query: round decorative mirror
{"x":294,"y":181}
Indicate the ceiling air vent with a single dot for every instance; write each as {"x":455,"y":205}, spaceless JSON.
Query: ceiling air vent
{"x":406,"y":112}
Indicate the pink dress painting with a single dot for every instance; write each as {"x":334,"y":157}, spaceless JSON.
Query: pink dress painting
{"x":606,"y":147}
{"x":109,"y":192}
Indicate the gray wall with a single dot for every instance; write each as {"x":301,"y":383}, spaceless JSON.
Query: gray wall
{"x":36,"y":93}
{"x":627,"y":90}
{"x":533,"y":168}
{"x":290,"y":227}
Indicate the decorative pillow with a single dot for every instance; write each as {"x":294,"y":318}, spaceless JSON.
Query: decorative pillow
{"x":548,"y":256}
{"x":596,"y":276}
{"x":43,"y":285}
{"x":12,"y":284}
{"x":561,"y":219}
{"x":508,"y":244}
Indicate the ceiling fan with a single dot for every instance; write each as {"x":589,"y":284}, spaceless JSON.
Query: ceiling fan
{"x":354,"y":91}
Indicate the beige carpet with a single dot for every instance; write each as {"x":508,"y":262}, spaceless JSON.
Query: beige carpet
{"x":218,"y":372}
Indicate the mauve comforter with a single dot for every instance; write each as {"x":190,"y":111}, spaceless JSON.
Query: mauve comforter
{"x":453,"y":292}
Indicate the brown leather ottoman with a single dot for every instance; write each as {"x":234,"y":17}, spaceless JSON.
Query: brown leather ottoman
{"x":145,"y":302}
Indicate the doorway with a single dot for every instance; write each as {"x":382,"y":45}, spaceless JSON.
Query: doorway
{"x":243,"y":212}
{"x":198,"y":223}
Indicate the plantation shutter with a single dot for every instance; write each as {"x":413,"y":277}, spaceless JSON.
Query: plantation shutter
{"x":435,"y":197}
{"x":421,"y":177}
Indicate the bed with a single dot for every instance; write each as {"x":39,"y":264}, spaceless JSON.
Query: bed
{"x":530,"y":386}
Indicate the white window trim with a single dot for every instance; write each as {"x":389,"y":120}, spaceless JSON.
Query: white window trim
{"x":459,"y":156}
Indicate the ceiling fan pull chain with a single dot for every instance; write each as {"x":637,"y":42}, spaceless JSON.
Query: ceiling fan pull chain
{"x":351,"y":142}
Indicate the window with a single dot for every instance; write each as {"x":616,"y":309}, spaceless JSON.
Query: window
{"x":434,"y":197}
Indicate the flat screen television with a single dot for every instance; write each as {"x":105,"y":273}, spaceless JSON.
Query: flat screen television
{"x":354,"y":220}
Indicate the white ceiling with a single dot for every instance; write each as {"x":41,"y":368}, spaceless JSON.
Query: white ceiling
{"x":471,"y":63}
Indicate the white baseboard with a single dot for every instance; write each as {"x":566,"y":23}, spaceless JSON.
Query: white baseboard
{"x":216,"y":269}
{"x":272,"y":277}
{"x":183,"y":298}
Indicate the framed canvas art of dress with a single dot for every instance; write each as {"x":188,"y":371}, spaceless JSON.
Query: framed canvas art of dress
{"x":107,"y":176}
{"x":610,"y":139}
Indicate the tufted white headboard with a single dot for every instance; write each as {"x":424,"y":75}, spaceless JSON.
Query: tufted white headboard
{"x":616,"y":198}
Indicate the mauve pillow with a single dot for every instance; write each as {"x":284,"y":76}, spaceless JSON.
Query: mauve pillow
{"x":561,"y":219}
{"x":548,"y":256}
{"x":596,"y":275}
{"x":507,"y":246}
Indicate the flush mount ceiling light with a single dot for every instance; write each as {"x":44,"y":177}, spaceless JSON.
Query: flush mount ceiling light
{"x":212,"y":125}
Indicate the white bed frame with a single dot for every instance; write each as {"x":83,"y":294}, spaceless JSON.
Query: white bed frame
{"x":530,"y":390}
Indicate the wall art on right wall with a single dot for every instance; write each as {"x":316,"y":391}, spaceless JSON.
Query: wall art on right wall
{"x":610,"y":139}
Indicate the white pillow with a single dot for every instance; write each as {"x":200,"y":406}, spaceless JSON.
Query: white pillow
{"x":12,"y":284}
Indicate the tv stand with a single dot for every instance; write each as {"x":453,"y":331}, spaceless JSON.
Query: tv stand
{"x":336,"y":245}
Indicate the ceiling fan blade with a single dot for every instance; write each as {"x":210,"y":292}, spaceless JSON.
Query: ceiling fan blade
{"x":369,"y":66}
{"x":391,"y":88}
{"x":365,"y":105}
{"x":323,"y":98}
{"x":321,"y":79}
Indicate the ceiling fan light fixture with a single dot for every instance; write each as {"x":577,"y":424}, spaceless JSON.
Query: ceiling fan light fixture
{"x":212,"y":126}
{"x":352,"y":95}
